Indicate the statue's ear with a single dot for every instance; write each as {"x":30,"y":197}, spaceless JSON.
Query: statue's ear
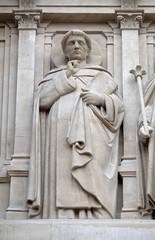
{"x":88,"y":51}
{"x":66,"y":55}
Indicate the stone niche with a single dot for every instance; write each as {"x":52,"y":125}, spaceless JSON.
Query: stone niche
{"x":123,"y":34}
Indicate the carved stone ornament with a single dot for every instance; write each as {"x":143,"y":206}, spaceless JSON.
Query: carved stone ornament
{"x":27,"y":4}
{"x":128,"y":4}
{"x":129,"y":20}
{"x":27,"y":20}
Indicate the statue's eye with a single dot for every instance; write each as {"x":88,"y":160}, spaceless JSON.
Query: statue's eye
{"x":71,"y":42}
{"x":81,"y":43}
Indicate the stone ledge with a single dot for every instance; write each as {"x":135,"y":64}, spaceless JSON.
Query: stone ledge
{"x":77,"y":229}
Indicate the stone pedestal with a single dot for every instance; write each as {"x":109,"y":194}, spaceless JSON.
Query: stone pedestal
{"x":77,"y":230}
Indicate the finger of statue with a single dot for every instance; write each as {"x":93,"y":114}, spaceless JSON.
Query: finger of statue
{"x":83,"y":94}
{"x":70,"y":66}
{"x":75,"y":63}
{"x":75,"y":70}
{"x":85,"y":97}
{"x":85,"y":89}
{"x":87,"y":100}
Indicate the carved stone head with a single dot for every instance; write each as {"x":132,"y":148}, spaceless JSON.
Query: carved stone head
{"x":76,"y":44}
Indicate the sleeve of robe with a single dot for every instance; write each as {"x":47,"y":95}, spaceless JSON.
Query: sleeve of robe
{"x":54,"y":88}
{"x":49,"y":91}
{"x":112,"y":113}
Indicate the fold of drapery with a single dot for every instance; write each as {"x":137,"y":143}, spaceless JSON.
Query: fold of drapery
{"x":90,"y":177}
{"x":35,"y":183}
{"x":79,"y":134}
{"x":83,"y":153}
{"x":34,"y":179}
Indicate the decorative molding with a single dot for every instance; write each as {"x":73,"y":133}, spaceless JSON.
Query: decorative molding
{"x":129,"y":174}
{"x":113,"y":25}
{"x":17,"y":209}
{"x":129,"y":19}
{"x":150,"y":39}
{"x":127,"y":4}
{"x":4,"y":178}
{"x":27,"y":4}
{"x":146,"y":24}
{"x":130,"y":157}
{"x":27,"y":19}
{"x":18,"y":173}
{"x":128,"y":166}
{"x":19,"y":166}
{"x":129,"y":210}
{"x":20,"y":157}
{"x":110,"y":39}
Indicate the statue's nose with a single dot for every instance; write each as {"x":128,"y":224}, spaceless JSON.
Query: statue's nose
{"x":76,"y":45}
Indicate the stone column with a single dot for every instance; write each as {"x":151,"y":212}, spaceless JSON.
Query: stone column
{"x":130,"y":21}
{"x":150,"y":49}
{"x":27,"y":21}
{"x":110,"y":53}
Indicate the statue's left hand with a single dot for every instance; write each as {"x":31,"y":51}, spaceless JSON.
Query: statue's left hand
{"x":90,"y":97}
{"x":143,"y":136}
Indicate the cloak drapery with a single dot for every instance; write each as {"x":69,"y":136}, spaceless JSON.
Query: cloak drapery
{"x":146,"y":156}
{"x":74,"y":154}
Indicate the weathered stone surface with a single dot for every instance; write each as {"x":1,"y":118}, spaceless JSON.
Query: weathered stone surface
{"x":124,"y":30}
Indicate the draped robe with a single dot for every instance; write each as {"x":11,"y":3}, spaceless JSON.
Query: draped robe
{"x":146,"y":155}
{"x":75,"y":165}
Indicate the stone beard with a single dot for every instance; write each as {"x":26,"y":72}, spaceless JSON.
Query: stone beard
{"x":74,"y":156}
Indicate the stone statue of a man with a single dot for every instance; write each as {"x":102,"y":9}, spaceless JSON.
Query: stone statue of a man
{"x":73,"y":166}
{"x":146,"y":154}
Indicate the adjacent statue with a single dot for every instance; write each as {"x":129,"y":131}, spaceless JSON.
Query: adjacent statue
{"x":73,"y":166}
{"x":146,"y":154}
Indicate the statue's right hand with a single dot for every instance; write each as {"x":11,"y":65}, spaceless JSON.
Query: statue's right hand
{"x":72,"y":68}
{"x":143,"y":135}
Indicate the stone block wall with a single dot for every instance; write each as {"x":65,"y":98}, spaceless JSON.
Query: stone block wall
{"x":29,"y":30}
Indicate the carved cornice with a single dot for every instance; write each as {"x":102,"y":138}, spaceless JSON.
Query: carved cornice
{"x":25,"y":19}
{"x":129,"y":19}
